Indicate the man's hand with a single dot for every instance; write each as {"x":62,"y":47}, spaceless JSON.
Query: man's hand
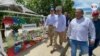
{"x":92,"y":42}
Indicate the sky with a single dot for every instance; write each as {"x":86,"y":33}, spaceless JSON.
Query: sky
{"x":85,"y":4}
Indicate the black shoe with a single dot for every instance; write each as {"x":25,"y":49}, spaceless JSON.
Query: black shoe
{"x":52,"y":51}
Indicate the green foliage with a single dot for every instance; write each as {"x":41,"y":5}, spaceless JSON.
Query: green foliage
{"x":15,"y":27}
{"x":35,"y":20}
{"x":20,"y":1}
{"x":40,"y":6}
{"x":68,"y":7}
{"x":1,"y":17}
{"x":43,"y":6}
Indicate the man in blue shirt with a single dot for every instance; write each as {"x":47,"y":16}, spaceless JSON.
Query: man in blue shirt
{"x":50,"y":22}
{"x":60,"y":29}
{"x":60,"y":26}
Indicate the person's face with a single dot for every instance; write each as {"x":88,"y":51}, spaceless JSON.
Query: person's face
{"x":78,"y":14}
{"x":59,"y":12}
{"x":52,"y":12}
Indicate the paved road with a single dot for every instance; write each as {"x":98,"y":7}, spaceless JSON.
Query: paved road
{"x":43,"y":50}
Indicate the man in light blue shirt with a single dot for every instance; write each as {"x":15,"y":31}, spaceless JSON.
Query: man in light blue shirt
{"x":51,"y":23}
{"x":78,"y":33}
{"x":60,"y":29}
{"x":60,"y":25}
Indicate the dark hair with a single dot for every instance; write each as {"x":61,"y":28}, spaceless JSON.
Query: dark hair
{"x":81,"y":10}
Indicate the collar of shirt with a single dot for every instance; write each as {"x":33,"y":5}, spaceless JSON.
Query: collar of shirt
{"x":80,"y":18}
{"x":60,"y":15}
{"x":52,"y":14}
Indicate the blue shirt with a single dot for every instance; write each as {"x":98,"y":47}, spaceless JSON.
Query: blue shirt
{"x":51,"y":20}
{"x":61,"y":23}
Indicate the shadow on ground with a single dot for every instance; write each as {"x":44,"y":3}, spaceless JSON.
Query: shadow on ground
{"x":23,"y":53}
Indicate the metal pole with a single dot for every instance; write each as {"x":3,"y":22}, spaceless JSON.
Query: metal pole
{"x":1,"y":45}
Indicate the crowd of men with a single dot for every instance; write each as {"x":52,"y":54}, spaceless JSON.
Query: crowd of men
{"x":81,"y":32}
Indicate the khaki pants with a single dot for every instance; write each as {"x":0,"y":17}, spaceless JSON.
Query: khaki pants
{"x":51,"y":33}
{"x":61,"y":37}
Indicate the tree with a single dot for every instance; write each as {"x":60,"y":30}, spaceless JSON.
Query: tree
{"x":43,"y":6}
{"x":20,"y":1}
{"x":40,"y":6}
{"x":68,"y":7}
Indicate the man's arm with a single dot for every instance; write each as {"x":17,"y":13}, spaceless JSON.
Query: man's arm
{"x":47,"y":21}
{"x":92,"y":31}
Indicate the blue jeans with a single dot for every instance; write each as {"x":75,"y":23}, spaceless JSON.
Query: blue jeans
{"x":83,"y":46}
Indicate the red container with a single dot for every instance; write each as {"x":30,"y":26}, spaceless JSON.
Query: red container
{"x":32,"y":42}
{"x":23,"y":46}
{"x":10,"y":52}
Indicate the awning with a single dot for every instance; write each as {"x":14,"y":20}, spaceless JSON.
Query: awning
{"x":13,"y":12}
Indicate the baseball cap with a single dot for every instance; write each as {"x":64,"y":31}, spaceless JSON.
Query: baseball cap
{"x":95,"y":13}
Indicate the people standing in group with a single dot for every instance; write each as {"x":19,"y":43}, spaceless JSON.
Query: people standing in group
{"x":60,"y":29}
{"x":51,"y":23}
{"x":96,"y":22}
{"x":78,"y":31}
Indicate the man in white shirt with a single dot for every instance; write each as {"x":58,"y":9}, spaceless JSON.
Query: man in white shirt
{"x":50,"y":22}
{"x":78,"y":31}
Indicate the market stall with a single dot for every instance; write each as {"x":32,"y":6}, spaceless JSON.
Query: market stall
{"x":20,"y":33}
{"x":28,"y":35}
